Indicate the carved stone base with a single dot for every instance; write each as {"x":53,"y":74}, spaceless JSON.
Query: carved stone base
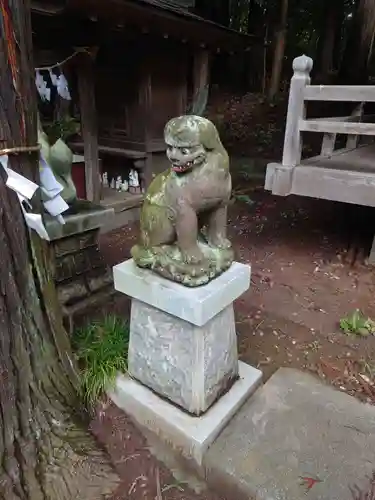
{"x":185,"y":435}
{"x":183,"y":341}
{"x":79,"y":267}
{"x":190,"y":365}
{"x":81,"y":276}
{"x":168,"y":261}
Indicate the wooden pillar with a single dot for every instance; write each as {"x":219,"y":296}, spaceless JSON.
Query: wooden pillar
{"x":86,"y":88}
{"x":182,"y":67}
{"x":296,"y":111}
{"x":145,"y":102}
{"x":201,"y":70}
{"x":183,"y":90}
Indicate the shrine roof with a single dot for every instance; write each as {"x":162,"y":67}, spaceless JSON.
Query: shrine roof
{"x":183,"y":12}
{"x":159,"y":16}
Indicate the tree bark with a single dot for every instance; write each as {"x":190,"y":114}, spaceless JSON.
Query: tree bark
{"x":46,"y":453}
{"x":339,"y":42}
{"x":358,"y":51}
{"x":254,"y":66}
{"x":332,"y":17}
{"x":279,"y":49}
{"x":256,"y":18}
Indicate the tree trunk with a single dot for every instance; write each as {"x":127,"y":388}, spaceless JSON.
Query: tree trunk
{"x":256,"y":19}
{"x":254,"y":61}
{"x":279,"y":49}
{"x":331,"y":23}
{"x":45,"y":453}
{"x":339,"y":40}
{"x":358,"y":51}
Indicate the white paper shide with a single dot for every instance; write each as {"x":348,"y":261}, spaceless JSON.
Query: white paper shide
{"x":58,"y":81}
{"x":55,"y":205}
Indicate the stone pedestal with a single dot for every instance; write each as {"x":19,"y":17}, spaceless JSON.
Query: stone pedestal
{"x":183,"y":341}
{"x":190,"y":365}
{"x":183,"y":361}
{"x":81,"y":276}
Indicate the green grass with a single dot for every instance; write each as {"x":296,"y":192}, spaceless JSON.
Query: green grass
{"x":102,"y":350}
{"x":357,"y":324}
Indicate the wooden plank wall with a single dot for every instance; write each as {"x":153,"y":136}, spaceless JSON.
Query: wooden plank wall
{"x":167,"y":62}
{"x":140,"y":90}
{"x":86,"y":87}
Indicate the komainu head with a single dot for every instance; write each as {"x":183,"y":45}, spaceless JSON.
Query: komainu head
{"x":189,"y":140}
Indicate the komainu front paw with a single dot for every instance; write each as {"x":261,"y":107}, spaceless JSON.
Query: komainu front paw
{"x":192,"y":256}
{"x":220,"y":242}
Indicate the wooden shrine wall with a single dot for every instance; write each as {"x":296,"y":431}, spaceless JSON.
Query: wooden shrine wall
{"x":116,"y":89}
{"x":121,"y":74}
{"x":169,"y":64}
{"x":126,"y":63}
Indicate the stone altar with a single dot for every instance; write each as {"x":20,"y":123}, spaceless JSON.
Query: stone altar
{"x":183,"y":342}
{"x":184,"y":380}
{"x":81,"y":276}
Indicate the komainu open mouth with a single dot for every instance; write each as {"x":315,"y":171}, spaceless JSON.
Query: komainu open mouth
{"x":182,"y":168}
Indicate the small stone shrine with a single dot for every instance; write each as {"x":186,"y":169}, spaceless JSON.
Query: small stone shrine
{"x":183,"y":360}
{"x":80,"y":274}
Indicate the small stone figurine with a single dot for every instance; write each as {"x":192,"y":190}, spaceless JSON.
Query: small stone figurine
{"x":118,"y":183}
{"x":184,"y":215}
{"x":131,"y":181}
{"x":105,"y":180}
{"x":113,"y":184}
{"x":124,"y":186}
{"x":134,"y":186}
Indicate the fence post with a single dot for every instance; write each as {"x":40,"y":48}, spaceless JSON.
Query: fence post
{"x":296,"y":111}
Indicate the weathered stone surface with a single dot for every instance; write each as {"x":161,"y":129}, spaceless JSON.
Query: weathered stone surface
{"x":80,"y":262}
{"x":72,"y":291}
{"x":183,"y":222}
{"x":99,"y":278}
{"x":80,"y":272}
{"x":191,"y":366}
{"x":69,"y":266}
{"x":89,"y":238}
{"x":93,"y":257}
{"x":75,"y":243}
{"x":185,"y":434}
{"x":65,"y":246}
{"x":84,"y":216}
{"x":59,"y":158}
{"x":294,"y":427}
{"x":196,"y":306}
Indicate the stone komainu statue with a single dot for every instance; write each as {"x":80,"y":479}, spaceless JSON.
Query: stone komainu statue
{"x":60,"y":158}
{"x":184,"y":215}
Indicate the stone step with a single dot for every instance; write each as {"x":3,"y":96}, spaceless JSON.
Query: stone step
{"x":293,"y":433}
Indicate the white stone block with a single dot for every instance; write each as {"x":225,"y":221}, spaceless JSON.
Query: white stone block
{"x":195,"y":305}
{"x":190,"y":365}
{"x":189,"y":435}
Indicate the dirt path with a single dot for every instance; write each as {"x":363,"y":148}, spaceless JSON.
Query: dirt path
{"x":302,"y":284}
{"x":142,"y":476}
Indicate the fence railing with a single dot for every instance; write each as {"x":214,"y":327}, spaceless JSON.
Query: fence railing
{"x":301,"y":91}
